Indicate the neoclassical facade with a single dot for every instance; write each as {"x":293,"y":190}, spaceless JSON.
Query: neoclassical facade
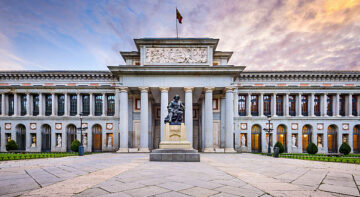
{"x":226,"y":107}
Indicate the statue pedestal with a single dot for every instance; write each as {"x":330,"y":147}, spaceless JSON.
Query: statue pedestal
{"x":175,"y":137}
{"x":174,"y":147}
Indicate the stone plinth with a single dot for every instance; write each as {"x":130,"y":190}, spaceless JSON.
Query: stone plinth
{"x":175,"y":137}
{"x":175,"y":155}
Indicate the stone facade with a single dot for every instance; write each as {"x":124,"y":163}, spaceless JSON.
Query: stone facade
{"x":226,"y":108}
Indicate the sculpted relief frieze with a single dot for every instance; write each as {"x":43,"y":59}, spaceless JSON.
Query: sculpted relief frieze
{"x":175,"y":55}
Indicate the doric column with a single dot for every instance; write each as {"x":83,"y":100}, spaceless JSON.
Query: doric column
{"x":299,"y":105}
{"x":189,"y":114}
{"x":286,"y":108}
{"x":312,"y":104}
{"x":248,"y":105}
{"x":3,"y":104}
{"x":103,"y":104}
{"x":325,"y":105}
{"x":358,"y":105}
{"x":235,"y":105}
{"x":163,"y":114}
{"x":209,"y":144}
{"x":41,"y":104}
{"x":78,"y":104}
{"x":16,"y":104}
{"x":350,"y":105}
{"x":92,"y":105}
{"x":124,"y":124}
{"x":229,"y":120}
{"x":53,"y":105}
{"x":117,"y":102}
{"x":66,"y":105}
{"x":261,"y":104}
{"x":274,"y":104}
{"x":144,"y":119}
{"x":28,"y":104}
{"x":337,"y":104}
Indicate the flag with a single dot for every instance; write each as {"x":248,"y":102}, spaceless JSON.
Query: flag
{"x":178,"y":16}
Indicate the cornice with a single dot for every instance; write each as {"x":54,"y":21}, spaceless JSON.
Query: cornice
{"x":56,"y":75}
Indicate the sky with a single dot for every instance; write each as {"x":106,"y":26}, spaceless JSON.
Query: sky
{"x":263,"y":34}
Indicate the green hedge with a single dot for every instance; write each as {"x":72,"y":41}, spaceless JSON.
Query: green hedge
{"x":21,"y":156}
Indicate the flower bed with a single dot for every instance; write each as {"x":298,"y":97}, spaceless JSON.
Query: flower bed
{"x":21,"y":156}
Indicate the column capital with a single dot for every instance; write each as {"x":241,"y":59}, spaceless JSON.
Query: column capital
{"x":144,"y":89}
{"x":209,"y":89}
{"x":122,"y":89}
{"x":164,"y":89}
{"x":229,"y":89}
{"x":351,"y":93}
{"x":188,"y":89}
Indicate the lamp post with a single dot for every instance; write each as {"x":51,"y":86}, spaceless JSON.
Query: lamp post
{"x":269,"y":129}
{"x":81,"y":147}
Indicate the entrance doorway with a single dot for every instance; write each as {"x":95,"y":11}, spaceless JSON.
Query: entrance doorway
{"x":97,"y":138}
{"x":70,"y":136}
{"x":46,"y":138}
{"x":255,"y":138}
{"x":21,"y":136}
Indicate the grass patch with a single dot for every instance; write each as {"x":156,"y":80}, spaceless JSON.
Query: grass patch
{"x":23,"y":156}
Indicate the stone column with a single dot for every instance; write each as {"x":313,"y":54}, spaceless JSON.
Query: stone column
{"x":337,"y":105}
{"x":358,"y":105}
{"x":312,"y":104}
{"x":229,"y":120}
{"x":117,"y":102}
{"x":144,"y":119}
{"x":299,"y":113}
{"x":248,"y":105}
{"x":92,"y":105}
{"x":124,"y":121}
{"x":261,"y":104}
{"x":286,"y":108}
{"x":189,"y":114}
{"x":325,"y":105}
{"x":350,"y":105}
{"x":66,"y":105}
{"x":164,"y":112}
{"x":3,"y":104}
{"x":103,"y":104}
{"x":28,"y":104}
{"x":53,"y":105}
{"x":235,"y":106}
{"x":41,"y":104}
{"x":78,"y":104}
{"x":274,"y":104}
{"x":16,"y":104}
{"x":209,"y":144}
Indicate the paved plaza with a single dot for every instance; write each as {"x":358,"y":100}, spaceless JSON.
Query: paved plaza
{"x":111,"y":174}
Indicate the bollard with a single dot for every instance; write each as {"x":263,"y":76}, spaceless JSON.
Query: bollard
{"x":276,"y":152}
{"x":81,"y":150}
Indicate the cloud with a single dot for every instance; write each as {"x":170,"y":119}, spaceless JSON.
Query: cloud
{"x":264,"y":34}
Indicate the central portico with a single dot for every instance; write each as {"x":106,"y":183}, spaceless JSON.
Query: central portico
{"x":191,"y":68}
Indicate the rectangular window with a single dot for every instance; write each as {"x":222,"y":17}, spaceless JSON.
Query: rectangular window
{"x":292,"y":105}
{"x":354,"y":105}
{"x":23,"y":102}
{"x":267,"y":105}
{"x":11,"y":105}
{"x":280,"y":105}
{"x":342,"y":105}
{"x":254,"y":105}
{"x":317,"y":105}
{"x":48,"y":104}
{"x":86,"y":104}
{"x":242,"y":105}
{"x":304,"y":105}
{"x":110,"y":105}
{"x":330,"y":105}
{"x":35,"y":104}
{"x":98,"y":105}
{"x":73,"y":105}
{"x":61,"y":105}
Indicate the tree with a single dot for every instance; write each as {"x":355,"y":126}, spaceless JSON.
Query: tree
{"x":345,"y":148}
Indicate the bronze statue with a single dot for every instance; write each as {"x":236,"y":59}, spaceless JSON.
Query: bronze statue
{"x":176,"y":111}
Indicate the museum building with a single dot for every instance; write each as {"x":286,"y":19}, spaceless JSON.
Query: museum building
{"x":226,"y":107}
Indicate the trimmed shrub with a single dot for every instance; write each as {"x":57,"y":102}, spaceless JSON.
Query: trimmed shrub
{"x":11,"y":145}
{"x":345,"y":148}
{"x":280,"y":146}
{"x":312,"y":148}
{"x":75,"y":145}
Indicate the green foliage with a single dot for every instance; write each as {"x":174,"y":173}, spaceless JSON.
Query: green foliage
{"x":345,"y":148}
{"x":280,"y":146}
{"x":75,"y":145}
{"x":312,"y":148}
{"x":11,"y":145}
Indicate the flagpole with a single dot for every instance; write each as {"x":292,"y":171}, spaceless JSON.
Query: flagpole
{"x":177,"y":33}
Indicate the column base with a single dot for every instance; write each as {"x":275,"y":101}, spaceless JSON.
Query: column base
{"x":144,"y":150}
{"x":208,"y":150}
{"x":230,"y":150}
{"x":123,"y":150}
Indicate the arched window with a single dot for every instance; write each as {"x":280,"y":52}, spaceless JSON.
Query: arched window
{"x":356,"y":139}
{"x":21,"y":136}
{"x":97,"y":137}
{"x":332,"y":139}
{"x":242,"y":105}
{"x":281,"y":135}
{"x":256,"y":138}
{"x":306,"y":137}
